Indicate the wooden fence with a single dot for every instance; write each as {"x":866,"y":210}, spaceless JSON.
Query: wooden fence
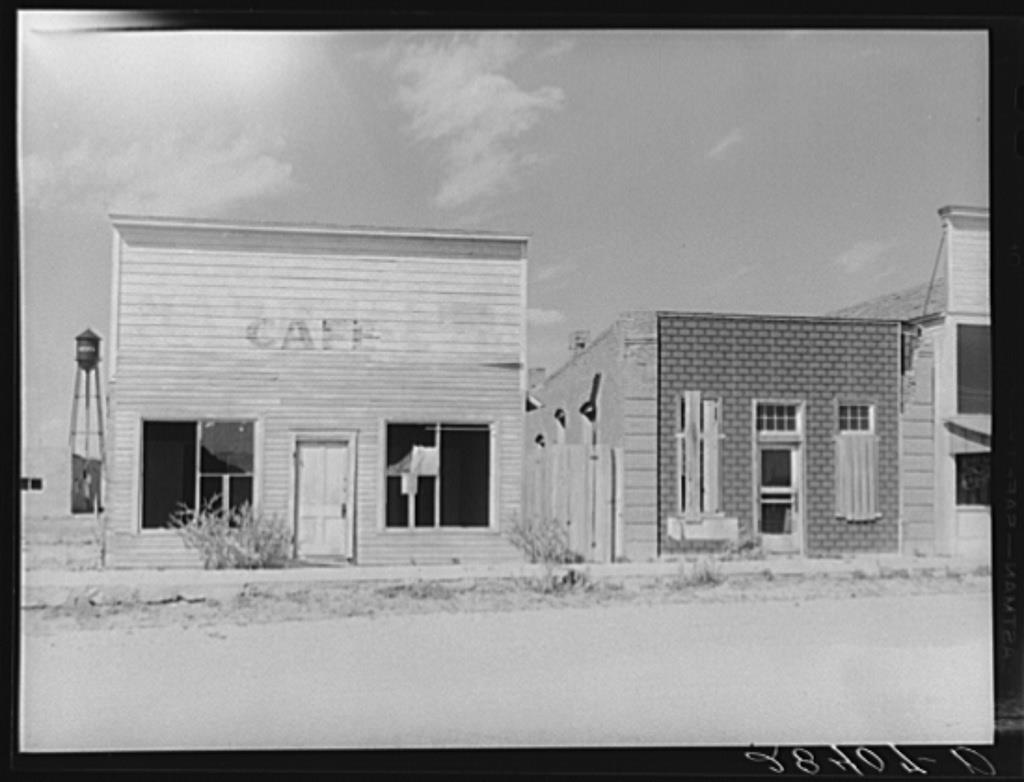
{"x":580,"y":488}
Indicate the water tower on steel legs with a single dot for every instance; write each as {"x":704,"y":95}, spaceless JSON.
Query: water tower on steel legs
{"x":88,"y":449}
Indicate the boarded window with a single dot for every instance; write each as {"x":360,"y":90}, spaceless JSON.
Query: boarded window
{"x":972,"y":479}
{"x":973,"y":369}
{"x":856,"y":463}
{"x":698,"y":453}
{"x":438,"y":475}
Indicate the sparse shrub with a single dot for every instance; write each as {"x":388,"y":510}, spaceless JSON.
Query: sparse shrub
{"x":418,"y":590}
{"x":746,"y":548}
{"x":234,"y":537}
{"x":542,"y":540}
{"x":572,"y":580}
{"x":896,"y":572}
{"x":705,"y":571}
{"x":858,"y":575}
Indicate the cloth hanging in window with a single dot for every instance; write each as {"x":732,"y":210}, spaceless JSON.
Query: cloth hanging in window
{"x":420,"y":461}
{"x":856,"y":476}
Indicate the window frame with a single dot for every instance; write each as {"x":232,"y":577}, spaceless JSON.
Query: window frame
{"x":786,"y":435}
{"x":958,"y":328}
{"x":794,"y":438}
{"x":956,"y":485}
{"x":438,"y":528}
{"x":138,"y":488}
{"x":871,"y":431}
{"x":871,"y":417}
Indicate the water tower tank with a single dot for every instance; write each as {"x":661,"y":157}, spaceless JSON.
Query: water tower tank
{"x":87,"y":349}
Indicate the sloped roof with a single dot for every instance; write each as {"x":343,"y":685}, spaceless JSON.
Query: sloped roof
{"x":906,"y":304}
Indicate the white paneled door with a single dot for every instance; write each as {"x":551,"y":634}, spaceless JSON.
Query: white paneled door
{"x":324,"y":499}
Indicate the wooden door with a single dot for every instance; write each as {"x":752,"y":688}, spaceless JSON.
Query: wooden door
{"x":324,"y":499}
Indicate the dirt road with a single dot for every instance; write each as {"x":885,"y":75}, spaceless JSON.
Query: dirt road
{"x":907,"y":669}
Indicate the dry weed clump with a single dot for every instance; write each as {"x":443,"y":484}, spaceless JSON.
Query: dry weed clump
{"x":233,"y":537}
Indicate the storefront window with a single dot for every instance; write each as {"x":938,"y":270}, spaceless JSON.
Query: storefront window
{"x":438,"y":475}
{"x":173,"y":478}
{"x":973,"y":369}
{"x":972,"y":478}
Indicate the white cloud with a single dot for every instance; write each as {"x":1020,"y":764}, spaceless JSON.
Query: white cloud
{"x":538,"y":316}
{"x":457,"y":95}
{"x":557,"y":49}
{"x":733,"y":276}
{"x":174,"y":173}
{"x":554,"y":272}
{"x":731,"y":139}
{"x":863,"y":255}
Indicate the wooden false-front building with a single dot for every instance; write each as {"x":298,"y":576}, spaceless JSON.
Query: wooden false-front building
{"x":363,"y":385}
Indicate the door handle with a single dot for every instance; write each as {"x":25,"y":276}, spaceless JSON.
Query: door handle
{"x":344,"y":510}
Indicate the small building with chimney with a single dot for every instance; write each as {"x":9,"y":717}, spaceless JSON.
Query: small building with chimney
{"x":721,"y":429}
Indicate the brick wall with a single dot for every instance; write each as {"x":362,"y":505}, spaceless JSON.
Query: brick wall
{"x":819,"y":361}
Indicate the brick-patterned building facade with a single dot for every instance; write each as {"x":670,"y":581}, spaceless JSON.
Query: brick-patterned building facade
{"x":778,"y":429}
{"x":816,"y":364}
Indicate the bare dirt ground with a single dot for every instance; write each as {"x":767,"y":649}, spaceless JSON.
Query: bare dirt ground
{"x":72,"y":543}
{"x":711,"y":669}
{"x":701,"y":657}
{"x":63,"y":543}
{"x":282,"y":603}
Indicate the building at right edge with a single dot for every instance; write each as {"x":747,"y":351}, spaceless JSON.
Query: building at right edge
{"x":946,"y":410}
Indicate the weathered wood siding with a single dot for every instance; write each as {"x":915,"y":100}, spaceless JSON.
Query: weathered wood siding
{"x":967,"y":239}
{"x":917,"y":457}
{"x":626,"y":356}
{"x":314,"y":331}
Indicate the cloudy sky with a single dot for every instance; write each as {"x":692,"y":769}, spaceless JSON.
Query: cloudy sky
{"x":732,"y":171}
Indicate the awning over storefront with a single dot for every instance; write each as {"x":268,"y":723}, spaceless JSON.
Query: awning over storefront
{"x":969,"y":433}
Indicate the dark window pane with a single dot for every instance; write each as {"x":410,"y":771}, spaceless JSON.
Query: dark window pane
{"x":973,"y":369}
{"x":400,"y":441}
{"x":211,"y":492}
{"x":426,"y":487}
{"x":226,"y":447}
{"x":775,"y":518}
{"x":465,"y":476}
{"x":972,"y":479}
{"x":775,"y":467}
{"x":168,"y":470}
{"x":85,"y":484}
{"x":241,"y":490}
{"x":397,"y":505}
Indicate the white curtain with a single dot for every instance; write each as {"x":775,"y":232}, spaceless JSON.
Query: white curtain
{"x":856,"y":476}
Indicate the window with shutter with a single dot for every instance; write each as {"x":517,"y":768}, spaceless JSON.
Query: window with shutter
{"x":856,"y":463}
{"x":698,"y":454}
